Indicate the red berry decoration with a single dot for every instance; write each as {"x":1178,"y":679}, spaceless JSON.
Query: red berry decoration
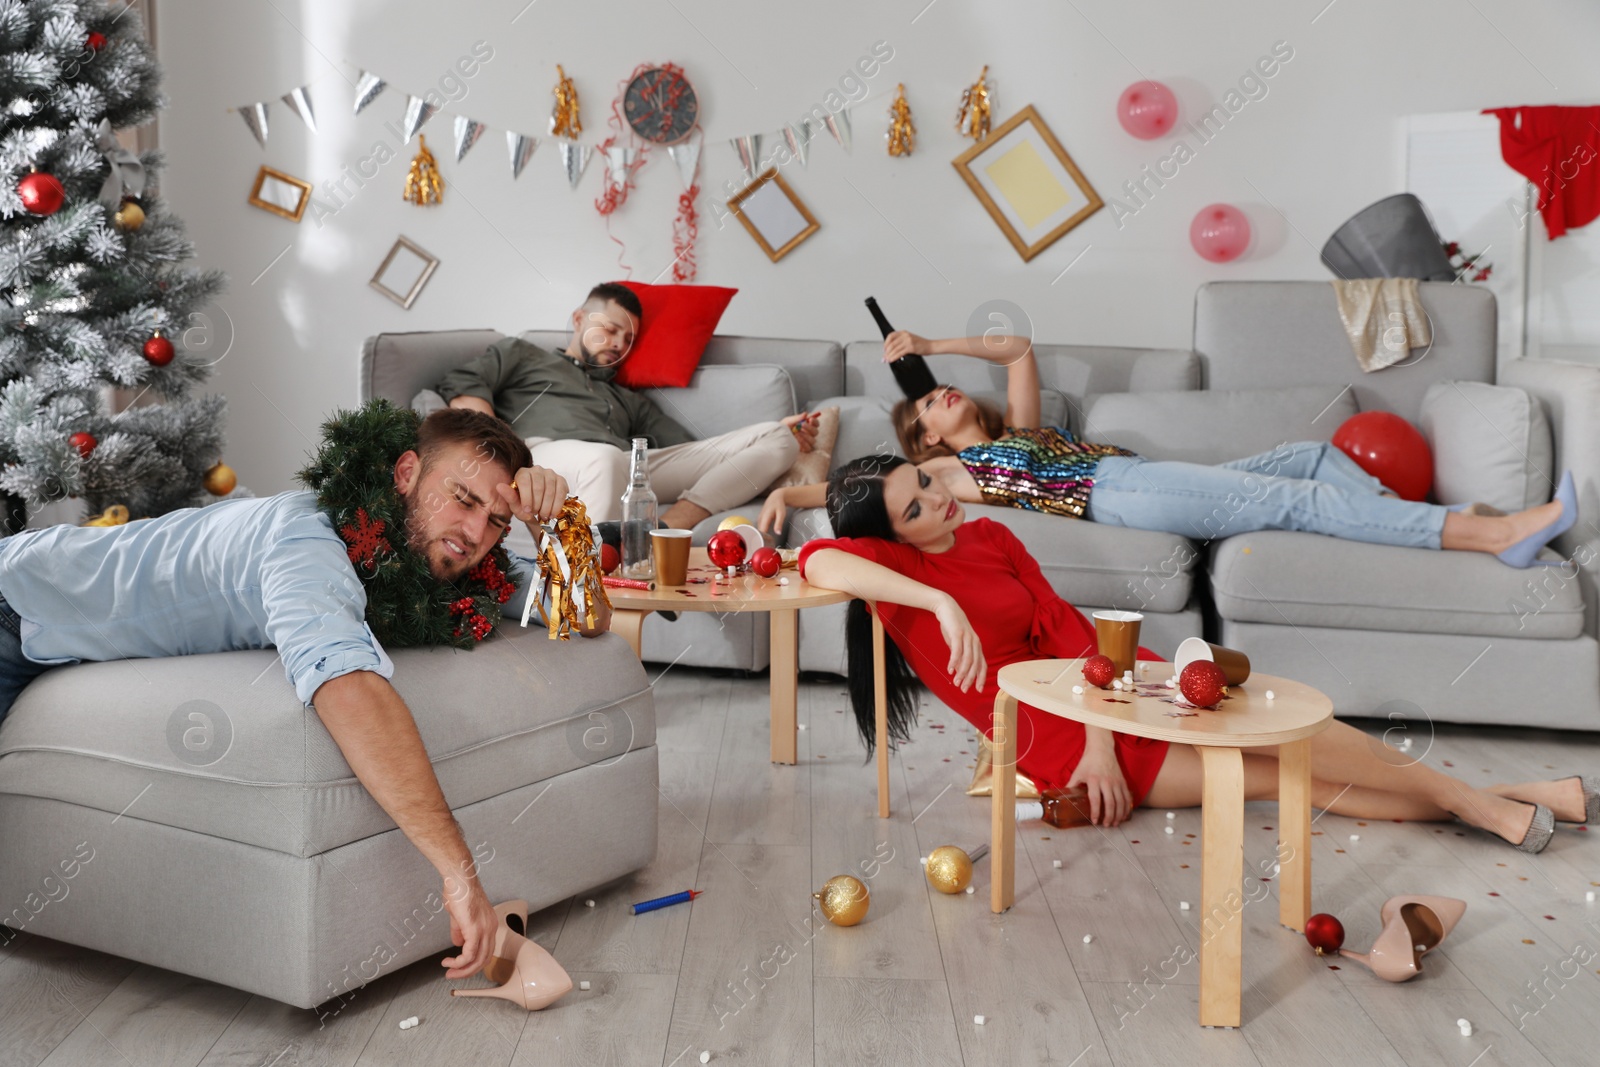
{"x":766,"y":562}
{"x":1099,"y":670}
{"x":158,"y":350}
{"x":1203,"y":684}
{"x":1325,"y":934}
{"x":610,"y":558}
{"x":83,"y":442}
{"x":96,"y":40}
{"x":725,"y":549}
{"x":41,"y":193}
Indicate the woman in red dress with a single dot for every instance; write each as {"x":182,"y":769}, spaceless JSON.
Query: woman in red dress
{"x":961,"y":600}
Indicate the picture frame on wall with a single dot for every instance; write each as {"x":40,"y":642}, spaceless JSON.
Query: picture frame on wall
{"x":281,"y":194}
{"x":1026,"y":181}
{"x":404,"y":271}
{"x":777,"y":218}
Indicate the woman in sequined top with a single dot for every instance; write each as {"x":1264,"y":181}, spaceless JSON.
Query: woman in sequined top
{"x":983,"y":457}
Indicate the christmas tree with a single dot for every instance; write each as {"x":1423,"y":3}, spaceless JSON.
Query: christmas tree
{"x":94,"y":296}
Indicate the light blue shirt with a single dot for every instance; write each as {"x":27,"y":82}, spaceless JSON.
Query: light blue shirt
{"x":252,"y":573}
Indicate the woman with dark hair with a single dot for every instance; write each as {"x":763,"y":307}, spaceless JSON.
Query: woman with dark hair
{"x":981,"y":458}
{"x":959,"y":600}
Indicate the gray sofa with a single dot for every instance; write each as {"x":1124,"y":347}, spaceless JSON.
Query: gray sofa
{"x":189,"y":813}
{"x":1382,"y":630}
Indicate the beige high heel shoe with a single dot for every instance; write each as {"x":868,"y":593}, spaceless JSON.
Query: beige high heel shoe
{"x":513,"y":915}
{"x":1413,"y":926}
{"x":536,"y":980}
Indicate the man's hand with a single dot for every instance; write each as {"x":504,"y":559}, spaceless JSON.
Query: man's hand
{"x":1110,"y":800}
{"x":905,"y":343}
{"x":536,"y":495}
{"x":473,"y":924}
{"x":804,"y":428}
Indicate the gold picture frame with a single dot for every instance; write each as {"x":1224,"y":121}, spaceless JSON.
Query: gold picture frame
{"x":777,"y":218}
{"x":1030,"y":186}
{"x":282,"y":194}
{"x":404,"y":271}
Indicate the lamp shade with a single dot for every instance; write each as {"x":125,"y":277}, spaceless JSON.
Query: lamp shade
{"x":1393,"y":238}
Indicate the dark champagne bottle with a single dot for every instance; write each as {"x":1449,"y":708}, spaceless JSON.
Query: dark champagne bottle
{"x":911,"y":372}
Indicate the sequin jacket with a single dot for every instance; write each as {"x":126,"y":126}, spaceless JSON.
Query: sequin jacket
{"x":1046,"y":469}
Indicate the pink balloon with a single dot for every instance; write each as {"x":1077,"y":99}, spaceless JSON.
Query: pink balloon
{"x":1220,"y":233}
{"x":1147,"y":110}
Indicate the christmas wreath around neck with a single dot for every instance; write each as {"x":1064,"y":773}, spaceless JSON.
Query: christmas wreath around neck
{"x":353,"y":477}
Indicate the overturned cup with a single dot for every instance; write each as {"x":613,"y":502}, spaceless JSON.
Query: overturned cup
{"x":1235,"y":664}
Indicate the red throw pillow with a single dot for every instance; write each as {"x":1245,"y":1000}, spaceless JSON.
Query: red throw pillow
{"x":678,"y":323}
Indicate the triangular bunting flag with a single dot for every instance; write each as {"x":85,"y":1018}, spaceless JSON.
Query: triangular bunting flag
{"x":686,"y":154}
{"x":749,"y":149}
{"x":839,"y":126}
{"x":299,"y":101}
{"x":521,"y":149}
{"x":467,"y":133}
{"x":798,"y":138}
{"x":418,"y":112}
{"x":255,"y":117}
{"x":574,"y":158}
{"x":619,"y":158}
{"x":367,"y":89}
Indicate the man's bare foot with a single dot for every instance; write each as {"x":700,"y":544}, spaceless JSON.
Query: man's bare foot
{"x":1563,"y":796}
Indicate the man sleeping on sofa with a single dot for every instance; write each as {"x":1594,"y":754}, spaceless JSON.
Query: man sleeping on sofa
{"x":276,"y":572}
{"x":580,"y":423}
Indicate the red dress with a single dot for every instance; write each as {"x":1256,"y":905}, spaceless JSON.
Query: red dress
{"x":1017,"y":616}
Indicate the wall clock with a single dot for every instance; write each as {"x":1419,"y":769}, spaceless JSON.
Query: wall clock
{"x":660,"y":105}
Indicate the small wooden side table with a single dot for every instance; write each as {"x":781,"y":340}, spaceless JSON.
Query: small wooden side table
{"x":1247,"y":719}
{"x":745,"y":592}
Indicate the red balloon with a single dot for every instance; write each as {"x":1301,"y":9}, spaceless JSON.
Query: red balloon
{"x":1391,"y":450}
{"x":1220,"y":233}
{"x":1099,"y":670}
{"x":1202,"y":683}
{"x":1325,"y":934}
{"x":1147,"y":109}
{"x":725,"y":549}
{"x":766,"y":562}
{"x":610,"y":558}
{"x":41,"y":193}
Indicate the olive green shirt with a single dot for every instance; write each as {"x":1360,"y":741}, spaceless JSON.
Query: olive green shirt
{"x":547,"y":394}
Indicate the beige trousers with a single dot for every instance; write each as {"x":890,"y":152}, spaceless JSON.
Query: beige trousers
{"x":718,"y":473}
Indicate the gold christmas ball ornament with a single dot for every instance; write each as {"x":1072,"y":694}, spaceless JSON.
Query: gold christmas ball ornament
{"x":220,"y":480}
{"x":733,"y":520}
{"x":129,"y":216}
{"x":843,"y":900}
{"x":949,"y":869}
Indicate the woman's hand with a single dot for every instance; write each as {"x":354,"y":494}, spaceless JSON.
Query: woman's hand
{"x":804,"y":428}
{"x":905,"y":343}
{"x":967,"y":667}
{"x":774,"y":510}
{"x":1110,"y":800}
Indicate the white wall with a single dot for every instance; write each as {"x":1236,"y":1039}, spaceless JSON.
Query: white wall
{"x":1321,"y":144}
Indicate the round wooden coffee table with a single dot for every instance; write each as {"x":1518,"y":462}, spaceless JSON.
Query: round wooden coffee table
{"x":1247,"y":719}
{"x":746,"y":592}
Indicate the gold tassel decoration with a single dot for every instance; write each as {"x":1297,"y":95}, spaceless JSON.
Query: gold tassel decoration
{"x":564,"y":121}
{"x":902,"y":131}
{"x":115,"y":515}
{"x":577,"y":568}
{"x":972,"y":117}
{"x":423,"y":184}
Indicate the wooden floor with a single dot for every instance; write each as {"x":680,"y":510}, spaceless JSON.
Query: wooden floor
{"x":749,"y":974}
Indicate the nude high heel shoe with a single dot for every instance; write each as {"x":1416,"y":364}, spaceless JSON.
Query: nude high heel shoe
{"x":537,"y":980}
{"x":1413,"y":926}
{"x":513,"y":915}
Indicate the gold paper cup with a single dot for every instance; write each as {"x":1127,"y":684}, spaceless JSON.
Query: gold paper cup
{"x":1235,"y":664}
{"x":671,"y":551}
{"x":1117,"y":635}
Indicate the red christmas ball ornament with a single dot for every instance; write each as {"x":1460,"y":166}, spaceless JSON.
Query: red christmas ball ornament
{"x":1390,"y":449}
{"x":158,"y":350}
{"x":766,"y":562}
{"x":83,"y":442}
{"x":725,"y":549}
{"x":1325,"y":934}
{"x":1202,"y":684}
{"x":41,"y":193}
{"x":1099,"y":670}
{"x":610,"y":558}
{"x":95,"y":41}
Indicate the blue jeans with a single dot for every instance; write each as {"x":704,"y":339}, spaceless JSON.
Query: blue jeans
{"x":16,"y":670}
{"x":1304,"y":486}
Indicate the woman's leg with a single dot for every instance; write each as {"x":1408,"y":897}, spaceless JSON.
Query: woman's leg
{"x":1316,"y":460}
{"x":1350,"y":777}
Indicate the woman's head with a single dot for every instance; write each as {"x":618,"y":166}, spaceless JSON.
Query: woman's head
{"x":928,"y":426}
{"x":884,"y":496}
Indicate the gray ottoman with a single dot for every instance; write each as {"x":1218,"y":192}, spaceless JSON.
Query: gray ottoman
{"x":189,"y":813}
